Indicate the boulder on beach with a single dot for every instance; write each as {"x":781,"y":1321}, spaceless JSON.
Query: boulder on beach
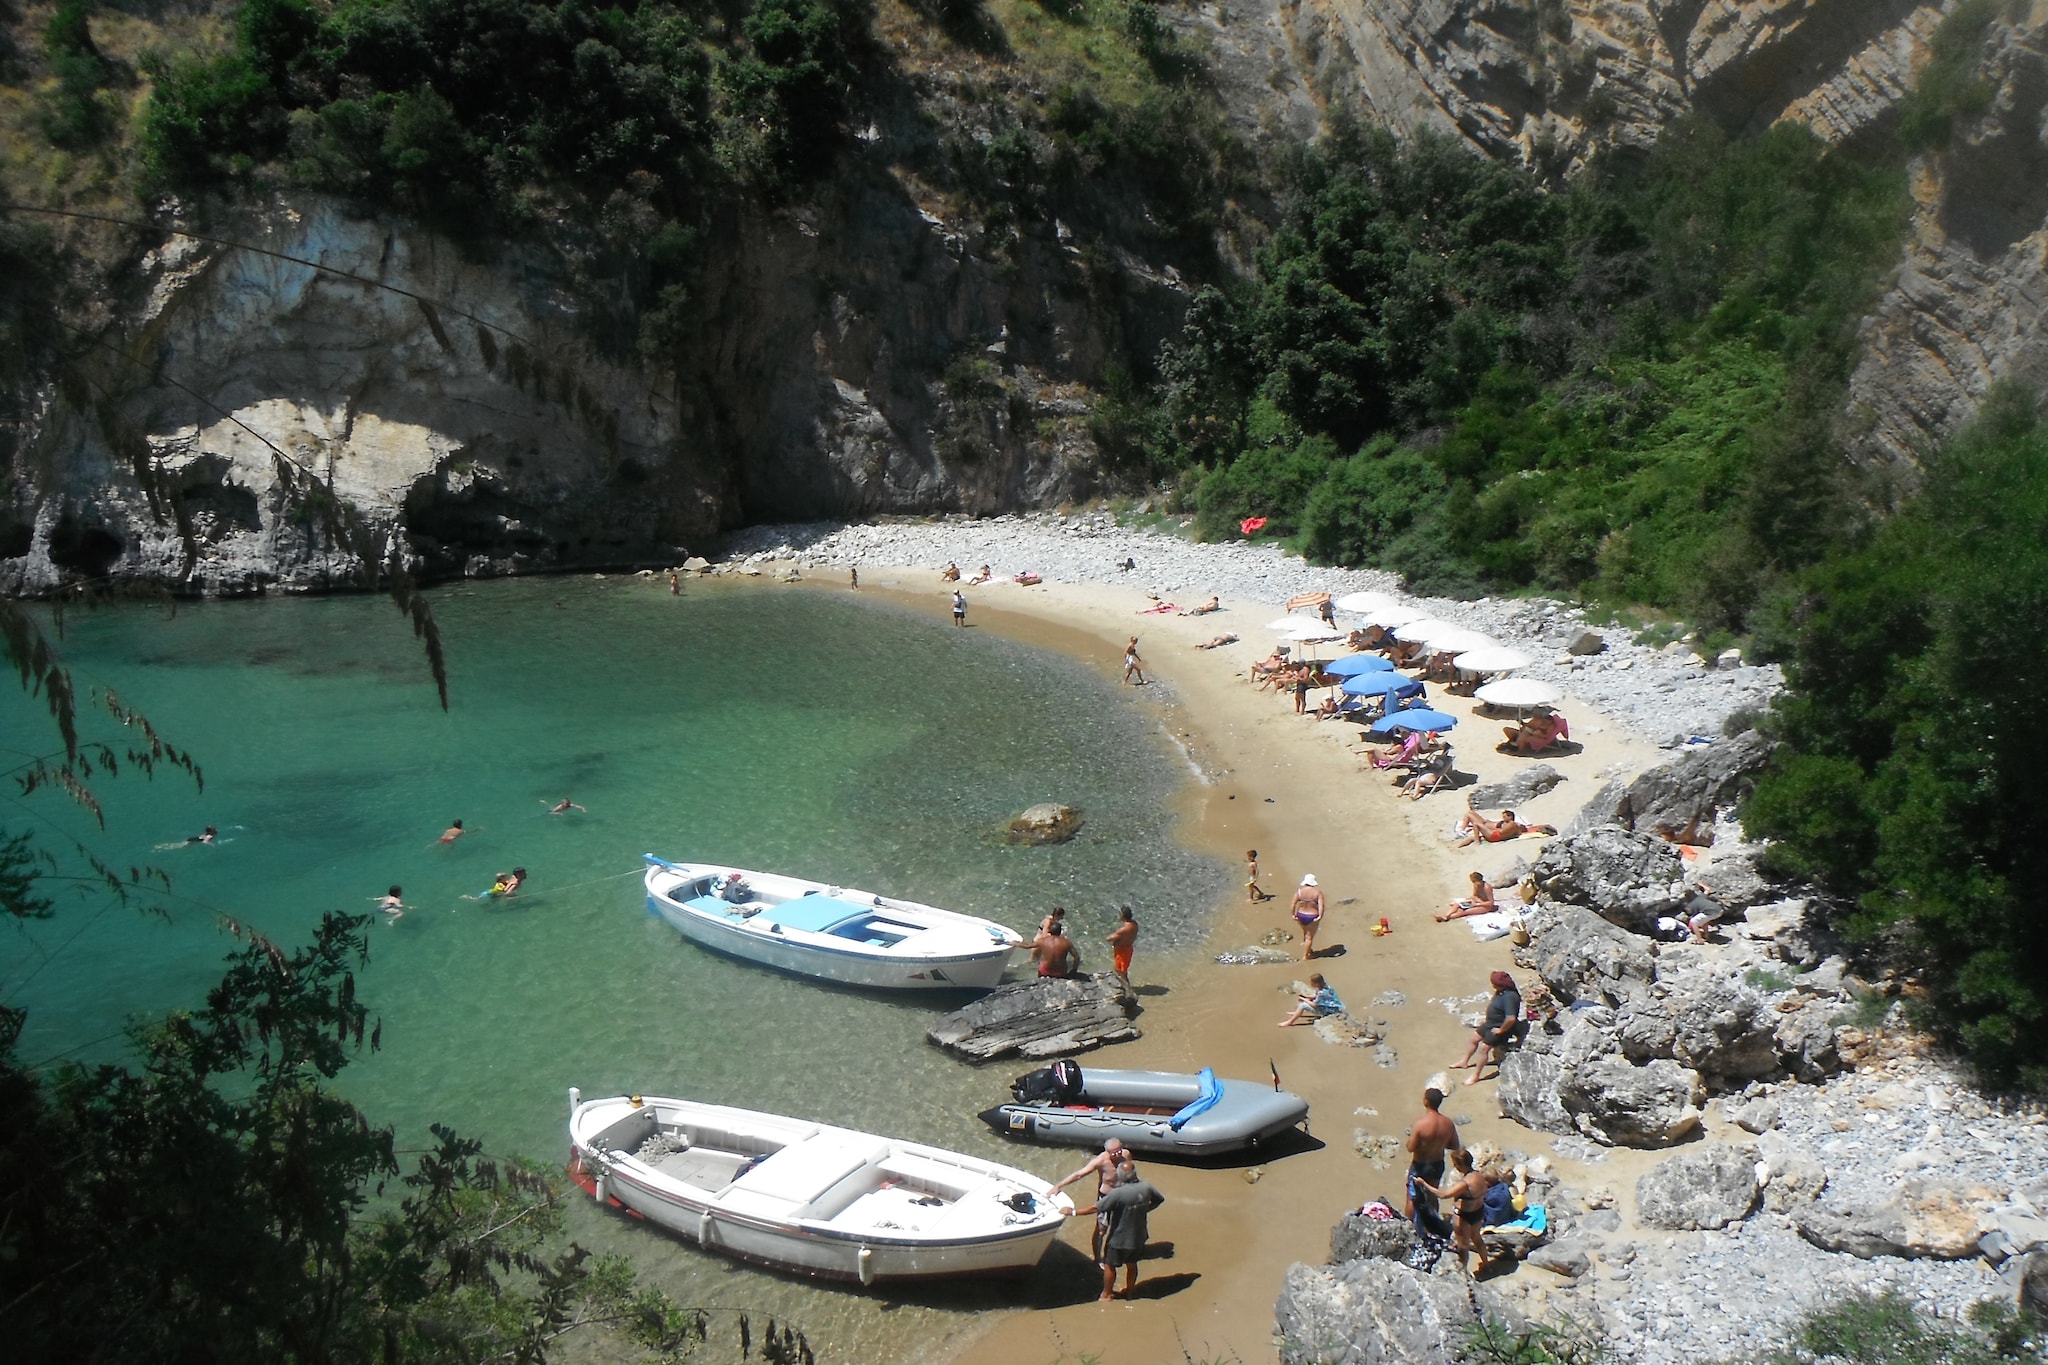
{"x":1628,"y":878}
{"x":1524,"y":786}
{"x":1377,"y":1312}
{"x":1358,"y":1238}
{"x":1046,"y":1016}
{"x":1932,"y":1218}
{"x":1709,"y":1188}
{"x":1045,"y":823}
{"x":1580,"y":956}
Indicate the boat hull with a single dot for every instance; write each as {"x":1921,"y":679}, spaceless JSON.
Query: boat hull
{"x":1136,"y":1107}
{"x":809,"y":1246}
{"x":969,"y":955}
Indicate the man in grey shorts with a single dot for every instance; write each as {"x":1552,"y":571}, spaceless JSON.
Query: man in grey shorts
{"x":1129,"y":1207}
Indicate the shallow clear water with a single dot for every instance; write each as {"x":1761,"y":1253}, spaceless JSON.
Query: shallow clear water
{"x":817,"y":733}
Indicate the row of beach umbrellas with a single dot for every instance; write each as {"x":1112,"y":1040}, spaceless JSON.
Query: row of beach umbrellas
{"x":1470,"y":650}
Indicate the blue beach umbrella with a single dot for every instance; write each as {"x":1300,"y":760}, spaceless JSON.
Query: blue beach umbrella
{"x":1381,"y":685}
{"x":1352,"y":664}
{"x":1414,"y":718}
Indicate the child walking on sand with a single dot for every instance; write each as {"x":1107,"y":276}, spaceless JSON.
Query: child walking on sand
{"x":1253,"y":890}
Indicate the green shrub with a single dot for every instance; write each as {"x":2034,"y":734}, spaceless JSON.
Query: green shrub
{"x":1912,"y":736}
{"x":1948,"y":88}
{"x":75,"y":115}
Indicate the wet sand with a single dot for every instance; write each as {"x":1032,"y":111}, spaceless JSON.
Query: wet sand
{"x":1290,"y":787}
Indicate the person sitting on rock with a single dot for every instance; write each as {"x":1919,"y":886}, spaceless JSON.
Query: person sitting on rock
{"x":1502,"y":1028}
{"x":1319,"y":1003}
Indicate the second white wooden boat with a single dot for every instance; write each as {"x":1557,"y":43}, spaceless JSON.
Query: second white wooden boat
{"x":808,"y":1197}
{"x":835,"y":933}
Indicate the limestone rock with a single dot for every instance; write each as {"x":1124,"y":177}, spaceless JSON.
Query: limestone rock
{"x":1931,"y":1218}
{"x":1346,"y":1030}
{"x":1526,"y":784}
{"x":1709,"y":1188}
{"x":1620,"y":1105}
{"x":1041,"y":1017}
{"x":1688,"y":791}
{"x":1357,"y":1237}
{"x":1527,"y":1092}
{"x":1722,"y":1028}
{"x":1374,"y":1312}
{"x":1045,"y":823}
{"x":1755,"y":1116}
{"x":1568,"y":1259}
{"x":1586,"y":642}
{"x":1629,"y":879}
{"x":1791,"y":1179}
{"x":2032,"y":1290}
{"x":1580,"y":956}
{"x":1805,"y":1040}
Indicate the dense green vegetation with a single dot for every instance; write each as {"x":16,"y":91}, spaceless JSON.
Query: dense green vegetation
{"x":1913,"y":737}
{"x":1621,"y":386}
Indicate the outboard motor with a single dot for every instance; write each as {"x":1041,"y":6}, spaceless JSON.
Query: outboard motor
{"x":1059,"y":1083}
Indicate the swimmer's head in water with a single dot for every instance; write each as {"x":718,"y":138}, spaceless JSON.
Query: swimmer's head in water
{"x":520,"y":873}
{"x":396,"y":892}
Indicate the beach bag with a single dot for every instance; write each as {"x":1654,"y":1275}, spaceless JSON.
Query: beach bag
{"x":1499,"y":1206}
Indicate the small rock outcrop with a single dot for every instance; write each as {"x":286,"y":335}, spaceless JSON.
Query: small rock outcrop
{"x":1526,"y":785}
{"x":1627,"y":878}
{"x":1621,"y":1105}
{"x":1358,"y":1238}
{"x":1580,"y":956}
{"x":1710,"y":1188}
{"x":1045,"y":823}
{"x":1042,"y":1017}
{"x":1926,"y":1217}
{"x":1373,"y":1312}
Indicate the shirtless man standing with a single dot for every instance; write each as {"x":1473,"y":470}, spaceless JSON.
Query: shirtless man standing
{"x":1103,"y":1165}
{"x":1432,"y":1136}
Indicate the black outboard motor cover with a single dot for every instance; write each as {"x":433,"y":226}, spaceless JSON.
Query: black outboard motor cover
{"x":1059,"y":1083}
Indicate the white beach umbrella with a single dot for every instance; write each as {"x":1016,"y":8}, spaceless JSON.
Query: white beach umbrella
{"x":1396,"y":615}
{"x":1458,"y":641}
{"x":1421,"y":629}
{"x":1519,"y":692}
{"x":1496,"y":659}
{"x":1310,"y":631}
{"x":1287,"y":623}
{"x":1364,"y":601}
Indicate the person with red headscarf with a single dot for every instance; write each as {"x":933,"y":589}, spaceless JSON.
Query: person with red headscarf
{"x":1502,"y":1028}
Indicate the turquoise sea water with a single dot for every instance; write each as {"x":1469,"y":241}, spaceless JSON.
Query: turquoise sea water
{"x":818,"y":733}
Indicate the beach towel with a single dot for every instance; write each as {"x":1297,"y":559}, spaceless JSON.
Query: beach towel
{"x":1251,"y":525}
{"x":1488,"y":927}
{"x":1535,"y":1219}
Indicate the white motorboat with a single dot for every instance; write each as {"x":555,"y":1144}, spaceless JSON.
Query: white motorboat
{"x":835,"y":933}
{"x":808,"y":1197}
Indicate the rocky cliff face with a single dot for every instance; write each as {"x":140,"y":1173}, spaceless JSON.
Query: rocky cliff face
{"x":1966,"y":309}
{"x":853,"y":357}
{"x":1549,"y":81}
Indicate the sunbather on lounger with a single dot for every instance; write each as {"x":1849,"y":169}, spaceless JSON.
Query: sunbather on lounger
{"x":1535,"y":734}
{"x":1408,"y":748}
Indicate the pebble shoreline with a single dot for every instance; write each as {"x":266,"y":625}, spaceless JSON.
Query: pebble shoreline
{"x":1658,"y":1297}
{"x":1663,"y":695}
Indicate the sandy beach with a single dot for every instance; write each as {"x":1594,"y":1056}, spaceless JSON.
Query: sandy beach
{"x":1294,"y":789}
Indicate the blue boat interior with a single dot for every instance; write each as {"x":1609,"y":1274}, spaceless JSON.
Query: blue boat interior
{"x":817,"y":914}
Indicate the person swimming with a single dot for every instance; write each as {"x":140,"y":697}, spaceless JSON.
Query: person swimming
{"x":560,"y":808}
{"x":503,"y":885}
{"x":207,"y":837}
{"x":452,"y":833}
{"x":392,"y":903}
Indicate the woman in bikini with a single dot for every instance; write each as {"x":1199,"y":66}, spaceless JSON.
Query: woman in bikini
{"x":1480,"y":902}
{"x":1308,"y":913}
{"x":1469,"y":1189}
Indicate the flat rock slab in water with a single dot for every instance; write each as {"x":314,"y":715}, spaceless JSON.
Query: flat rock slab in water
{"x":1041,"y":1017}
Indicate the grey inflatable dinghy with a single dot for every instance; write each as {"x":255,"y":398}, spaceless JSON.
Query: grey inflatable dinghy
{"x":1169,"y":1112}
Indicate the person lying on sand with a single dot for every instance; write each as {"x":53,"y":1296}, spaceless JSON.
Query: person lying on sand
{"x":1213,"y":604}
{"x":1480,"y":902}
{"x":1158,"y":608}
{"x":1476,"y":828}
{"x":1221,"y":640}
